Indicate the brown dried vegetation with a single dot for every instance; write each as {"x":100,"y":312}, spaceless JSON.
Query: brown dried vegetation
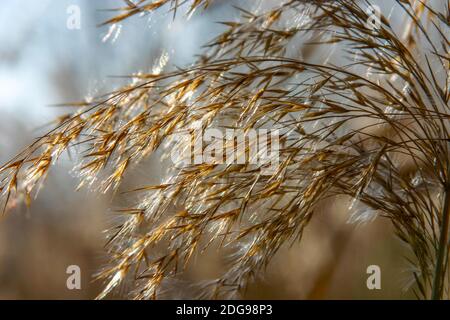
{"x":373,"y":127}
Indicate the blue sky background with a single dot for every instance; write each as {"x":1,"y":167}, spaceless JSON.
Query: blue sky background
{"x":42,"y":62}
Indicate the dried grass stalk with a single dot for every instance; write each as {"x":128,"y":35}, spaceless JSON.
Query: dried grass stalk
{"x":373,"y":126}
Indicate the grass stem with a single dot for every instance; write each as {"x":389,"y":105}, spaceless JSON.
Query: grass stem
{"x":442,"y":249}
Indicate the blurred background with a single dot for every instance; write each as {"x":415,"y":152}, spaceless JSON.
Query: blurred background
{"x":43,"y":63}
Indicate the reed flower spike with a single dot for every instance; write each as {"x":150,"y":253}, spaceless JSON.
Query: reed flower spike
{"x":369,"y":121}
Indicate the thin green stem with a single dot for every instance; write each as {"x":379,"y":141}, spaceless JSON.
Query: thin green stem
{"x":439,"y":273}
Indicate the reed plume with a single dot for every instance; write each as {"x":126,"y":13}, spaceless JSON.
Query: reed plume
{"x":369,"y":122}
